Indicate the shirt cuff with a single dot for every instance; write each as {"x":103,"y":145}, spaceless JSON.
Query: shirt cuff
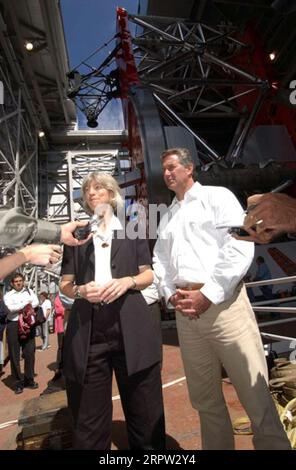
{"x":168,"y":291}
{"x":47,"y":232}
{"x":214,"y":292}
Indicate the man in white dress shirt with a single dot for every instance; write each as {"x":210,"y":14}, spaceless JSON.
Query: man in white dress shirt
{"x":200,"y":268}
{"x":15,"y":300}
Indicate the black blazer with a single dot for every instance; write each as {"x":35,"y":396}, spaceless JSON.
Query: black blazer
{"x":141,"y":344}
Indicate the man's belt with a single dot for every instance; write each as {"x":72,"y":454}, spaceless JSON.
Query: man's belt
{"x":191,"y":286}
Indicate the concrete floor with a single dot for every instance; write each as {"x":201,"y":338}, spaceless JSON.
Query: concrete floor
{"x":182,"y":423}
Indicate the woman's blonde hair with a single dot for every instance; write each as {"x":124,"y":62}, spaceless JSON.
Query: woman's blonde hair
{"x":106,"y":181}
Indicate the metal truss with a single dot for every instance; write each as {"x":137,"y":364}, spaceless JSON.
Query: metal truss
{"x":93,"y":87}
{"x":61,"y":177}
{"x":190,"y":67}
{"x":18,"y":156}
{"x":18,"y":151}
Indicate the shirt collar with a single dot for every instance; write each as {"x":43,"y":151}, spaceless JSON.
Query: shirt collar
{"x":114,"y":224}
{"x":191,"y":194}
{"x":24,"y":289}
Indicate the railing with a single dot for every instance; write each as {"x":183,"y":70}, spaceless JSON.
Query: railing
{"x":263,"y":306}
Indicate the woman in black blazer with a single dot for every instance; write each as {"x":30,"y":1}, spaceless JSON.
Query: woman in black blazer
{"x":110,"y":329}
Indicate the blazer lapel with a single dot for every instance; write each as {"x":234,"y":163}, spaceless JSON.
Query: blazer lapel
{"x":88,"y":254}
{"x":116,"y":243}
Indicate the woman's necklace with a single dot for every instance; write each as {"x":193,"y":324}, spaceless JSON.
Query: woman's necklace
{"x":103,"y":233}
{"x":105,"y":237}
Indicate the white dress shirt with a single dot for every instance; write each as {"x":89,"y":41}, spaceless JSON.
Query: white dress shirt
{"x":191,"y":249}
{"x":16,"y":300}
{"x":103,"y":272}
{"x":46,"y":305}
{"x":150,"y":293}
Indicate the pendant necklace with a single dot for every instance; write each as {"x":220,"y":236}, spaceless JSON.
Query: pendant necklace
{"x":103,"y":238}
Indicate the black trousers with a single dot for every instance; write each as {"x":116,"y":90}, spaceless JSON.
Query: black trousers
{"x":28,"y":350}
{"x":156,"y":319}
{"x":60,"y":337}
{"x":91,"y":403}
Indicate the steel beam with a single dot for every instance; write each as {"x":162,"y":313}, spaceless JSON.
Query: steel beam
{"x":201,"y":142}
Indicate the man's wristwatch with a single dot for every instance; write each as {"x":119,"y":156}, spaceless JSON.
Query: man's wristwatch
{"x":77,"y":293}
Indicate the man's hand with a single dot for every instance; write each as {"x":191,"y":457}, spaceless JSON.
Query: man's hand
{"x":271,"y":216}
{"x":41,"y":254}
{"x":67,"y":233}
{"x":263,"y":237}
{"x":174,"y":299}
{"x":192,"y":303}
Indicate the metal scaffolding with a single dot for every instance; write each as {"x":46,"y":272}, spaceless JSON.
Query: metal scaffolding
{"x":18,"y":151}
{"x":191,"y":69}
{"x":61,"y":177}
{"x":18,"y":155}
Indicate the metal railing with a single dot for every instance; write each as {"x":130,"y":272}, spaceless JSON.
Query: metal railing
{"x":264,"y":306}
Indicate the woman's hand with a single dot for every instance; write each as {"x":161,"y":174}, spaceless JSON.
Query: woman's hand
{"x":91,"y":292}
{"x":114,"y":289}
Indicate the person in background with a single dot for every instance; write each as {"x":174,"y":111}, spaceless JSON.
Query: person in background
{"x":57,"y":383}
{"x":15,"y":300}
{"x":200,"y":269}
{"x":263,"y":274}
{"x":273,"y":215}
{"x":59,"y":329}
{"x":46,"y":307}
{"x":38,"y":254}
{"x":110,"y":329}
{"x":67,"y":304}
{"x":3,"y":320}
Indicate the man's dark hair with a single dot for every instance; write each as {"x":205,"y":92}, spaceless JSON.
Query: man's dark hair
{"x":45,"y":294}
{"x":16,"y":276}
{"x":183,"y":155}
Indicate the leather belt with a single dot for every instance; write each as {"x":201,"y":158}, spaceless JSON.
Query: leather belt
{"x":191,"y":286}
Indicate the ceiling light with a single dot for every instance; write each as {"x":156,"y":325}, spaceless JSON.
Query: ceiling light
{"x":92,"y":123}
{"x":41,"y":134}
{"x":35,"y":45}
{"x":29,"y":46}
{"x":272,"y":56}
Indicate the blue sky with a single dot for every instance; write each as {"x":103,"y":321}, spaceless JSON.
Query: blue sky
{"x":88,"y":25}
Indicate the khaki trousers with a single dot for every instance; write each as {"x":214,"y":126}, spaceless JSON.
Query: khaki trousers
{"x":228,"y":334}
